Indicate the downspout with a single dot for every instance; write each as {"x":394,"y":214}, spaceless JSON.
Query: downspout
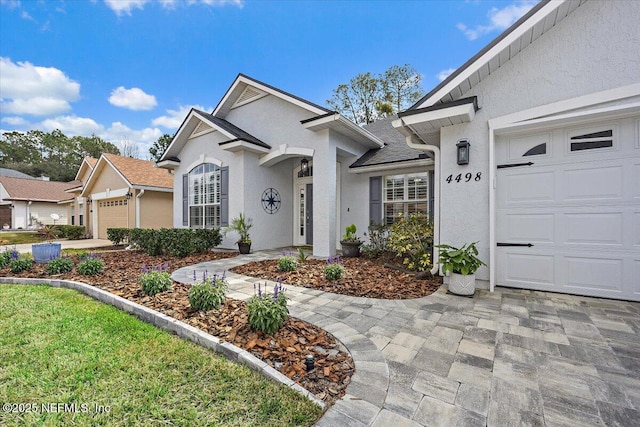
{"x":138,"y":207}
{"x":436,"y":196}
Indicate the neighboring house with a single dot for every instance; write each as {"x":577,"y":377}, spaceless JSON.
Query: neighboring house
{"x":125,"y":192}
{"x":15,"y":174}
{"x":551,"y":110}
{"x":78,"y":210}
{"x":32,"y":201}
{"x":301,"y":172}
{"x":5,"y":207}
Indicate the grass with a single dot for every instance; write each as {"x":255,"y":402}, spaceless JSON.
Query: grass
{"x":13,"y":238}
{"x":59,"y":346}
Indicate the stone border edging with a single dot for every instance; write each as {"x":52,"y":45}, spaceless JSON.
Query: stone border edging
{"x":178,"y":327}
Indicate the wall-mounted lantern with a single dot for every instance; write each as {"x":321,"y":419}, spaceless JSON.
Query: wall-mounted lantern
{"x":129,"y":195}
{"x":463,"y":151}
{"x":304,"y":166}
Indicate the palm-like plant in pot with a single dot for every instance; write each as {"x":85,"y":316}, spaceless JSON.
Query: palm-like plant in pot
{"x":241,"y":225}
{"x":461,"y":264}
{"x":350,"y":242}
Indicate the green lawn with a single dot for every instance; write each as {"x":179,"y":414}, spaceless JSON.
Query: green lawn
{"x":59,"y":346}
{"x":16,"y":238}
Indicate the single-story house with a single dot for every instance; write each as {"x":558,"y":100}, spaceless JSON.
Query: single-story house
{"x":536,"y":144}
{"x":531,"y":148}
{"x":76,"y":205}
{"x":5,"y":207}
{"x":33,"y":201}
{"x":123,"y":192}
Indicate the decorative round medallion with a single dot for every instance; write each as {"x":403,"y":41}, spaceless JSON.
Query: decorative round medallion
{"x":270,"y":200}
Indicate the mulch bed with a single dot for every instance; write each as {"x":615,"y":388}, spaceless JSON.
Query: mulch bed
{"x":379,"y":277}
{"x":285,"y":350}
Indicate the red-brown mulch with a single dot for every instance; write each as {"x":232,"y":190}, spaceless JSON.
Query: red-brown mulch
{"x":285,"y":350}
{"x":379,"y":277}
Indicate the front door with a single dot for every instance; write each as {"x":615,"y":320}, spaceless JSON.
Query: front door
{"x":303,"y":206}
{"x":309,"y":216}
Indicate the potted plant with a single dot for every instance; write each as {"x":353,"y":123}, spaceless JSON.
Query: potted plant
{"x":350,"y":242}
{"x":241,"y":225}
{"x":45,"y":252}
{"x":461,"y":264}
{"x":5,"y":226}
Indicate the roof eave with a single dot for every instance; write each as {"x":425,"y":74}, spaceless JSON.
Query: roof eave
{"x":401,"y":164}
{"x":338,"y":123}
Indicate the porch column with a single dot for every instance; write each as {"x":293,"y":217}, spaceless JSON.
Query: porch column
{"x":324,"y":200}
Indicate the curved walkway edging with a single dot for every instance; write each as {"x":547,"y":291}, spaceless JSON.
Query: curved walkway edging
{"x":178,"y":327}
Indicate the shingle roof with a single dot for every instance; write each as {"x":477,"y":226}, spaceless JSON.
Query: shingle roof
{"x":92,"y":161}
{"x":233,"y":129}
{"x":395,"y":148}
{"x":35,"y":190}
{"x":140,"y":172}
{"x":14,"y":173}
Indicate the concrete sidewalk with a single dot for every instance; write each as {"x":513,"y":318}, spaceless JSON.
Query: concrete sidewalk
{"x":67,"y":244}
{"x":508,"y":358}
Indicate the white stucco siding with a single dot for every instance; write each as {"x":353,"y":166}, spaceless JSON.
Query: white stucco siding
{"x":593,"y":49}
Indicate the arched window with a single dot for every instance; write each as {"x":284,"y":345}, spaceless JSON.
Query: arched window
{"x":204,"y":196}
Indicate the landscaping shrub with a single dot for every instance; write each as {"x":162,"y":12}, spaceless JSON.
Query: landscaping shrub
{"x":82,"y":255}
{"x":378,"y":241}
{"x":118,"y":235}
{"x":412,"y":239}
{"x":302,"y":256}
{"x":21,"y":263}
{"x":7,"y":255}
{"x":287,"y":263}
{"x":268,"y":312}
{"x":333,"y":270}
{"x":71,"y":232}
{"x":154,"y":282}
{"x":208,"y":294}
{"x":179,"y":242}
{"x":59,"y":265}
{"x":91,"y":266}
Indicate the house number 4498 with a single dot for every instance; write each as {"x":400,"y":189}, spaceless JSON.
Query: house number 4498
{"x":467,"y":177}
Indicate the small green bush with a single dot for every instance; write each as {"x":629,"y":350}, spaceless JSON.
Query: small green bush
{"x":179,"y":242}
{"x":268,"y":312}
{"x":82,"y":255}
{"x":155,"y":282}
{"x":333,"y":270}
{"x":378,"y":241}
{"x":7,"y":255}
{"x":411,"y":239}
{"x":22,"y":263}
{"x":287,"y":263}
{"x":302,"y":256}
{"x":208,"y":294}
{"x":59,"y":265}
{"x":91,"y":266}
{"x":117,"y":235}
{"x":71,"y":232}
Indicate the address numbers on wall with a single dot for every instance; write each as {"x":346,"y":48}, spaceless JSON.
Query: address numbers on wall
{"x":467,"y":177}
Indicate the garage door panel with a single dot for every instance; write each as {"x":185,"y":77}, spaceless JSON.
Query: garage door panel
{"x":519,"y":188}
{"x":636,"y":180}
{"x":636,"y":231}
{"x":528,"y":228}
{"x":594,"y":228}
{"x":522,"y":268}
{"x":584,"y":273}
{"x":590,"y":183}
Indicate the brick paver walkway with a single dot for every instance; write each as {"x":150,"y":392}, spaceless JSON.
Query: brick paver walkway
{"x":507,"y":358}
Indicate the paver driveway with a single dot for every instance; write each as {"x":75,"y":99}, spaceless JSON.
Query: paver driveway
{"x":507,"y":358}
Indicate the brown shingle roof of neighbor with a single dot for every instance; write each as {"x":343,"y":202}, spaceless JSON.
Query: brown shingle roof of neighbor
{"x":140,"y":172}
{"x":34,"y":189}
{"x":92,"y":162}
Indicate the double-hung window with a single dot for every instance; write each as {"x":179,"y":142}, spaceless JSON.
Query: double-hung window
{"x":403,"y":195}
{"x":204,"y":196}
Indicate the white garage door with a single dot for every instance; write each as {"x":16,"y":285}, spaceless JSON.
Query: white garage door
{"x":568,"y":210}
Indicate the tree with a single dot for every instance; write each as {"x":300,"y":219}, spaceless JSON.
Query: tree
{"x":159,"y":147}
{"x":401,"y":86}
{"x":367,"y":97}
{"x":129,"y":149}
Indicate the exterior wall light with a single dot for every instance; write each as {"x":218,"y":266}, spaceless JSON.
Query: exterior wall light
{"x":129,"y":195}
{"x":463,"y":151}
{"x":304,"y":165}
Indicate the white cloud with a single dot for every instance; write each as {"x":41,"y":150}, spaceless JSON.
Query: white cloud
{"x":72,"y":125}
{"x":25,"y":15}
{"x":499,"y":19}
{"x":11,"y":4}
{"x":445,"y":73}
{"x":125,"y":7}
{"x":40,"y":91}
{"x":174,"y":118}
{"x":132,"y":99}
{"x":143,"y":138}
{"x":15,"y":121}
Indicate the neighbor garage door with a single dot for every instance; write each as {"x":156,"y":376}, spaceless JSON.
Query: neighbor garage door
{"x":568,"y":209}
{"x":112,"y":213}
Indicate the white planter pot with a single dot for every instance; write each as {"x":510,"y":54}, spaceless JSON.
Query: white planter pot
{"x":460,"y":284}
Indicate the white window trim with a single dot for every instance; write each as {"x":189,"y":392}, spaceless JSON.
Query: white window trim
{"x":217,"y":219}
{"x":405,"y":200}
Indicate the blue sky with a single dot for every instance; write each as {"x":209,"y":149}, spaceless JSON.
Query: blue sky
{"x":130,"y":70}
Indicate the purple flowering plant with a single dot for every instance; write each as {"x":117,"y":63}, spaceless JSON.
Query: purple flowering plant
{"x":268,"y":311}
{"x":334,"y":269}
